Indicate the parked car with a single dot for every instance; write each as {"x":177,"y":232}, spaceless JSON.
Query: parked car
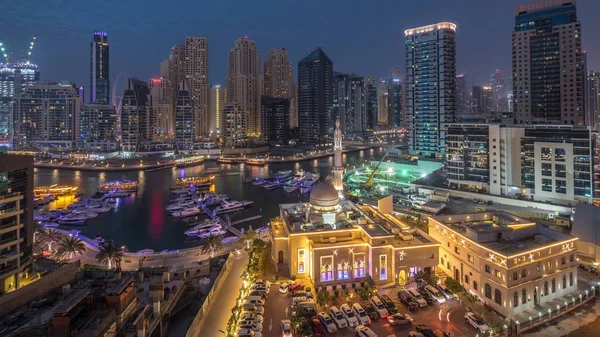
{"x":337,"y":317}
{"x":405,"y":298}
{"x":248,"y":333}
{"x":477,"y":322}
{"x":258,"y":300}
{"x":284,"y":287}
{"x":252,"y":317}
{"x":361,"y":314}
{"x":415,"y":334}
{"x":262,"y":294}
{"x":399,"y":319}
{"x":349,"y":315}
{"x":286,"y":328}
{"x":304,"y":329}
{"x":435,"y":294}
{"x":327,"y":322}
{"x":295,"y":287}
{"x":380,"y":307}
{"x":363,"y":331}
{"x":445,"y":291}
{"x":253,"y":309}
{"x":427,"y":296}
{"x":260,"y":287}
{"x":389,"y":304}
{"x":262,"y":281}
{"x":418,"y":298}
{"x":247,"y":324}
{"x":317,"y":328}
{"x":370,"y":309}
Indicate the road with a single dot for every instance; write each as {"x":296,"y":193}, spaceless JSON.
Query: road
{"x":430,"y":316}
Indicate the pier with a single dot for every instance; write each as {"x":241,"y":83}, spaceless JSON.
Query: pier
{"x":246,"y":220}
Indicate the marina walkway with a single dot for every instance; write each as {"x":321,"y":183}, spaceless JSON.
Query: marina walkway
{"x":216,"y":318}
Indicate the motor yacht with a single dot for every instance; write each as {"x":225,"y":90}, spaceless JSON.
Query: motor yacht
{"x":199,"y":229}
{"x":272,"y":185}
{"x":232,"y":206}
{"x":73,"y":219}
{"x":282,"y":174}
{"x":212,"y":232}
{"x":259,"y":182}
{"x":291,"y":188}
{"x":180,"y":205}
{"x":188,"y":212}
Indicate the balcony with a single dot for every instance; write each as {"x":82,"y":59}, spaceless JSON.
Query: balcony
{"x":5,"y":213}
{"x":8,"y":270}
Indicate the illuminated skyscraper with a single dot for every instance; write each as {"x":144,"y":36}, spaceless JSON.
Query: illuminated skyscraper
{"x":396,"y":100}
{"x":135,"y":115}
{"x":382,"y":103}
{"x":218,"y":97}
{"x":278,"y":79}
{"x":431,"y":86}
{"x":196,"y":76}
{"x":161,"y":119}
{"x":184,"y":119}
{"x":547,"y":63}
{"x":370,"y":103}
{"x":499,"y":92}
{"x":462,"y":94}
{"x":99,"y":68}
{"x":349,"y":104}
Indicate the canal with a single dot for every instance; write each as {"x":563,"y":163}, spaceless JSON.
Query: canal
{"x":140,"y":220}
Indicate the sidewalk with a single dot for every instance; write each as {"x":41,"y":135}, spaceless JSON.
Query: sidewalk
{"x":217,"y":316}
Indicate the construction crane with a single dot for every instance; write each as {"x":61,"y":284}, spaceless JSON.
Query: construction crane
{"x":375,"y":170}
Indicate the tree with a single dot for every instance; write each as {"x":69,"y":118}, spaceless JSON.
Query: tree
{"x":70,"y":246}
{"x":322,"y":297}
{"x":50,"y":236}
{"x":276,"y":219}
{"x":212,"y":245}
{"x":248,"y":237}
{"x":110,"y":254}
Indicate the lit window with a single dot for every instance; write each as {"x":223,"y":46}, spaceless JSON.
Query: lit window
{"x":359,"y":267}
{"x":383,"y":267}
{"x":326,"y":268}
{"x":301,"y":261}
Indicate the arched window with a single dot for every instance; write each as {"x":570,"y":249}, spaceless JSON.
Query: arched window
{"x":516,"y":299}
{"x":488,"y":291}
{"x":498,"y":296}
{"x":570,"y":279}
{"x":553,"y":285}
{"x":564,"y":281}
{"x":545,"y":288}
{"x":523,"y":296}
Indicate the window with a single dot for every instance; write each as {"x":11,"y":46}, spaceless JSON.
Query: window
{"x":498,"y":296}
{"x":432,"y":256}
{"x":523,"y":296}
{"x":545,"y":287}
{"x":515,"y":276}
{"x":559,"y":154}
{"x":488,"y":291}
{"x":553,"y":286}
{"x":523,"y":273}
{"x":467,"y":279}
{"x":516,"y":299}
{"x":488,"y":269}
{"x":448,"y":244}
{"x":572,"y":258}
{"x":564,"y":281}
{"x":538,"y":268}
{"x":546,"y":153}
{"x":442,"y":261}
{"x":301,"y":261}
{"x":563,"y":260}
{"x":457,"y":250}
{"x":547,"y":169}
{"x":475,"y":286}
{"x":549,"y":264}
{"x":570,"y":279}
{"x":448,"y":264}
{"x":561,"y":186}
{"x":326,"y":268}
{"x":470,"y":258}
{"x":497,"y":273}
{"x":359,"y":265}
{"x":383,"y":267}
{"x":547,"y":185}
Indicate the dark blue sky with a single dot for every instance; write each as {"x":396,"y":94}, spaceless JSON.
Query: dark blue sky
{"x":365,"y":37}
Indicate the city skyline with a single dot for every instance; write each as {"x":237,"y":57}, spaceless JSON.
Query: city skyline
{"x":367,"y":53}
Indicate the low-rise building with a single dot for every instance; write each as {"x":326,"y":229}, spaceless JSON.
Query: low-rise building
{"x":330,"y":240}
{"x":510,"y":263}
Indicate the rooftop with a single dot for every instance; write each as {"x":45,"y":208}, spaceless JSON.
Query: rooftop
{"x":501,"y":232}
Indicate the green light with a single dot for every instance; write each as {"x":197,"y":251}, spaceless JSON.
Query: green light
{"x":403,"y":172}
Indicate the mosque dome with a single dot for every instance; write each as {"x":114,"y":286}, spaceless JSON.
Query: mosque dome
{"x":324,"y":195}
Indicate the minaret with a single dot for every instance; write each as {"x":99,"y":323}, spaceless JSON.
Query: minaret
{"x":338,"y":166}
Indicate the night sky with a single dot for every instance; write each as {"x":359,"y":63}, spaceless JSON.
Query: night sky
{"x":364,"y":37}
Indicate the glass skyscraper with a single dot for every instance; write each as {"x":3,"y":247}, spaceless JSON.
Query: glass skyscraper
{"x":99,"y":69}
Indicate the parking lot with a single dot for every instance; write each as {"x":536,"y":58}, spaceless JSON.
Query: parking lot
{"x":278,"y":305}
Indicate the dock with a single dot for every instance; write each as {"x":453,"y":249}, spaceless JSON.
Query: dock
{"x":246,"y":220}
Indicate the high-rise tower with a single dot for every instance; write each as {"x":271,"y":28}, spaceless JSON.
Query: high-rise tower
{"x":338,"y":165}
{"x":430,"y":81}
{"x":547,"y":63}
{"x":244,"y":83}
{"x":196,"y":76}
{"x":99,"y":68}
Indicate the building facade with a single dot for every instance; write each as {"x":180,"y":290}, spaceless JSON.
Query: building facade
{"x":592,"y":99}
{"x":371,"y":103}
{"x":99,"y":68}
{"x":431,"y":84}
{"x":499,"y":92}
{"x":278,"y":74}
{"x":14,"y":77}
{"x":382,"y":103}
{"x":547,"y":63}
{"x":184,"y":119}
{"x":97,"y":128}
{"x":315,"y":95}
{"x":162,"y":110}
{"x":330,"y":241}
{"x":234,"y":127}
{"x":135,"y":123}
{"x":16,"y":219}
{"x":218,"y":97}
{"x":462,"y":94}
{"x":244,"y":83}
{"x":275,"y":119}
{"x":483,"y":100}
{"x":176,"y":73}
{"x":510,"y":263}
{"x":349,"y":102}
{"x":46,"y":113}
{"x":196,"y":76}
{"x":396,"y":101}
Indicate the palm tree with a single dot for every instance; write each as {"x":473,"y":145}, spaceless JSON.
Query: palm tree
{"x":70,"y":246}
{"x":51,"y":236}
{"x":110,"y":254}
{"x":248,"y":237}
{"x":212,"y":245}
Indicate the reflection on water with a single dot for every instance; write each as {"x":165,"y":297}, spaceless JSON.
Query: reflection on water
{"x":140,"y":220}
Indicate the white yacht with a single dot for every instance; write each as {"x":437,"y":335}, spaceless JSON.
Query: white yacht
{"x":212,"y":232}
{"x":282,"y":174}
{"x":145,"y":252}
{"x":73,"y":219}
{"x":91,"y":215}
{"x":232,"y":206}
{"x":180,"y":205}
{"x":118,"y":194}
{"x":291,"y":188}
{"x":271,"y":186}
{"x":199,"y":229}
{"x":259,"y":182}
{"x":187,"y":212}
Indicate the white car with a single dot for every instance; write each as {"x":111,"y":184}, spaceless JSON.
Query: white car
{"x":248,"y":333}
{"x":261,"y":281}
{"x":418,"y":297}
{"x":284,"y":287}
{"x":362,"y":315}
{"x":435,"y":294}
{"x":286,"y":328}
{"x":476,"y":322}
{"x":380,"y":307}
{"x":349,"y":315}
{"x":363,"y":331}
{"x":445,"y":291}
{"x":338,"y":317}
{"x":252,"y":317}
{"x":247,"y":324}
{"x":327,"y":322}
{"x":261,"y":288}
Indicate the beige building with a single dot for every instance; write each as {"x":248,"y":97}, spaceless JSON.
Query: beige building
{"x":244,"y":83}
{"x":161,"y":118}
{"x":511,"y":263}
{"x":196,"y":75}
{"x":334,"y":241}
{"x":278,"y":76}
